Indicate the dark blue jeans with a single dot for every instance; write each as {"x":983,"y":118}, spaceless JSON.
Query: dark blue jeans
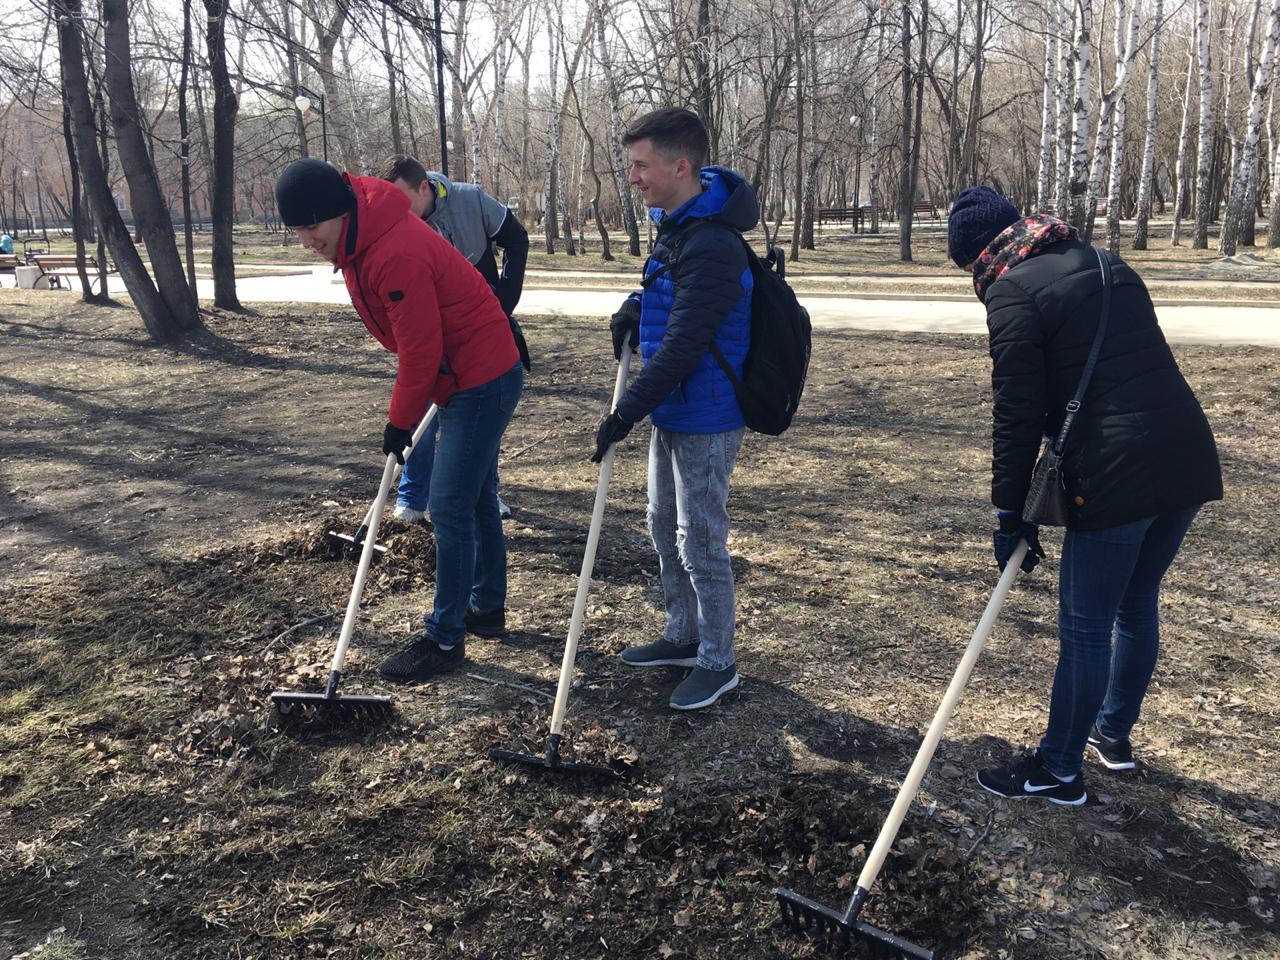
{"x":415,"y":478}
{"x":471,"y":552}
{"x":1109,"y":582}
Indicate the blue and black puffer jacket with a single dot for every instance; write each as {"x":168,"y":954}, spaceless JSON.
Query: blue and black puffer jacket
{"x":708,"y":295}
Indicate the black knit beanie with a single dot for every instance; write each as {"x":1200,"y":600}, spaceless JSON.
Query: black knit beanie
{"x":311,"y":191}
{"x":978,"y":216}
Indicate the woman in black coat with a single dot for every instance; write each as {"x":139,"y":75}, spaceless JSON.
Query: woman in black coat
{"x":1139,"y":462}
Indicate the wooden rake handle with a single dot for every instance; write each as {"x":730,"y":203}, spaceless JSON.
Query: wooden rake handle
{"x":588,"y":561}
{"x":911,"y":785}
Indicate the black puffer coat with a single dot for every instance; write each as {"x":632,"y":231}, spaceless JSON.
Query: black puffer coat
{"x":1141,"y":445}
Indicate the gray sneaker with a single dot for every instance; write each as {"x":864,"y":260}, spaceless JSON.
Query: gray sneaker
{"x":662,"y":653}
{"x":703,"y":687}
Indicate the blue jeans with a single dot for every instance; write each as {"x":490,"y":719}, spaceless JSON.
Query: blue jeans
{"x":688,"y":519}
{"x":1109,"y":582}
{"x":471,"y":552}
{"x":415,"y":478}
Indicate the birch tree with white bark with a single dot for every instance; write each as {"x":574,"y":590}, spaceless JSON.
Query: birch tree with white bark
{"x":1180,"y":161}
{"x":1111,"y":108}
{"x":1239,"y":205}
{"x":1204,"y":154}
{"x":1149,"y":141}
{"x":1082,"y":71}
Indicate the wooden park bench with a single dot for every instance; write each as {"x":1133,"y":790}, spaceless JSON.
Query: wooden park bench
{"x":9,"y":263}
{"x":855,"y":215}
{"x":924,"y":208}
{"x":58,"y":267}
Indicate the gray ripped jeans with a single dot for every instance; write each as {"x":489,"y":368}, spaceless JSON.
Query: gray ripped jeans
{"x":689,"y":522}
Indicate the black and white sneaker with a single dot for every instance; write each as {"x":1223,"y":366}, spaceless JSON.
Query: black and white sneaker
{"x":1114,"y":754}
{"x":662,"y":653}
{"x":1027,"y":777}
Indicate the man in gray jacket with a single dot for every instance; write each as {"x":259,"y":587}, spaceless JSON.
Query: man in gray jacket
{"x":473,"y":222}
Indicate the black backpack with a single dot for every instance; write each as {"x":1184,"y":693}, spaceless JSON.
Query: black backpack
{"x":778,"y":357}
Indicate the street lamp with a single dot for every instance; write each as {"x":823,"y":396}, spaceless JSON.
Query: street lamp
{"x":303,"y":103}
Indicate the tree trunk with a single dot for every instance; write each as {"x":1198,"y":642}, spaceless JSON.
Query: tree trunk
{"x":1108,"y":109}
{"x":184,"y":149}
{"x":1236,"y":206}
{"x":1044,"y":174}
{"x":816,"y":150}
{"x":149,"y":210}
{"x":873,"y":162}
{"x":1125,"y":55}
{"x":617,"y":162}
{"x":1149,"y":143}
{"x":1061,"y":127}
{"x":388,"y":59}
{"x":160,"y":324}
{"x":1081,"y":58}
{"x":797,"y":213}
{"x":1179,"y":167}
{"x":1204,"y":157}
{"x":77,"y":224}
{"x":551,"y":190}
{"x":904,"y":142}
{"x":223,"y":202}
{"x":702,"y":84}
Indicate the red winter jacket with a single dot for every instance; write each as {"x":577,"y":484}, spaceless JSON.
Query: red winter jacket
{"x":422,"y":300}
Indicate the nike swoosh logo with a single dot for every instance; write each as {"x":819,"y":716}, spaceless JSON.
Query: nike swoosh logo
{"x":1030,"y":787}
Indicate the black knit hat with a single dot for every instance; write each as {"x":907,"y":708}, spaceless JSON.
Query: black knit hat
{"x":978,"y":216}
{"x":310,"y":191}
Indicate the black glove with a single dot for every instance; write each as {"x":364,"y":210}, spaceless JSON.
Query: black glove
{"x":1005,"y":540}
{"x":624,"y":323}
{"x":612,"y":429}
{"x":395,"y":440}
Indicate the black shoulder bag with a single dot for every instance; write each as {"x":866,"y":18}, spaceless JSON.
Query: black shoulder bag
{"x":1047,"y":497}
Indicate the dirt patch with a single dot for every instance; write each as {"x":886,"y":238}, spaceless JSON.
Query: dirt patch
{"x":150,"y":805}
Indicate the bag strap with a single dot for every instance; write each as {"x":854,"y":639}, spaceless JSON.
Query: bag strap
{"x":1073,"y":407}
{"x":682,"y":235}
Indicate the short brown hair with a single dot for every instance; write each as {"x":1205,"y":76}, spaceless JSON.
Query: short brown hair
{"x":674,"y":132}
{"x":408,"y":169}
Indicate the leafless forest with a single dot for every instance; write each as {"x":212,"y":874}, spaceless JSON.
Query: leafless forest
{"x":130,"y":121}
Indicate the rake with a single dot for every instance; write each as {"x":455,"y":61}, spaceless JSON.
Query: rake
{"x":331,"y":704}
{"x":347,"y":544}
{"x":552,"y":760}
{"x":808,"y":916}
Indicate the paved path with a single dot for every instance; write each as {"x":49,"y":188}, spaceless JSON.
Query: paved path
{"x":1182,"y":323}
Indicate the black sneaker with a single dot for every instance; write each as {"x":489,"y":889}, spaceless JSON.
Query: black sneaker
{"x":661,"y":653}
{"x":421,"y":660}
{"x":703,"y":687}
{"x":491,"y":624}
{"x":1114,"y":754}
{"x":1027,"y":777}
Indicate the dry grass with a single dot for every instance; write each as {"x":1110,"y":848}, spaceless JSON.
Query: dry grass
{"x":145,"y":788}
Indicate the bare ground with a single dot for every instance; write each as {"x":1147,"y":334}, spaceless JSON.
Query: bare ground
{"x":161,"y":511}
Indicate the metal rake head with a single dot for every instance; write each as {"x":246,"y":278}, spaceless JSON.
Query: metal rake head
{"x":345,"y":545}
{"x":320,"y":708}
{"x":555,"y":765}
{"x":838,"y":932}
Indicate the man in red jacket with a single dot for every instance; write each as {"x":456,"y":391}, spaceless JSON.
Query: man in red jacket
{"x":425,"y":303}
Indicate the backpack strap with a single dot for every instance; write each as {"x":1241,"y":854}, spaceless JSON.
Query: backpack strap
{"x":677,"y":246}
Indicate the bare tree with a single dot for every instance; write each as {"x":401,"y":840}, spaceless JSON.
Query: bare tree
{"x":1179,"y":168}
{"x":151,"y":214}
{"x":1236,"y":206}
{"x":1204,"y":156}
{"x":1082,"y":70}
{"x":225,"y":106}
{"x":1149,"y":142}
{"x":153,"y":309}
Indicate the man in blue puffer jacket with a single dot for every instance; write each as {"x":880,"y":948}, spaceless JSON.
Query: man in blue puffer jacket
{"x":697,"y":288}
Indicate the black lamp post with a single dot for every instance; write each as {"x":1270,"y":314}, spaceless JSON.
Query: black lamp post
{"x":303,"y":102}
